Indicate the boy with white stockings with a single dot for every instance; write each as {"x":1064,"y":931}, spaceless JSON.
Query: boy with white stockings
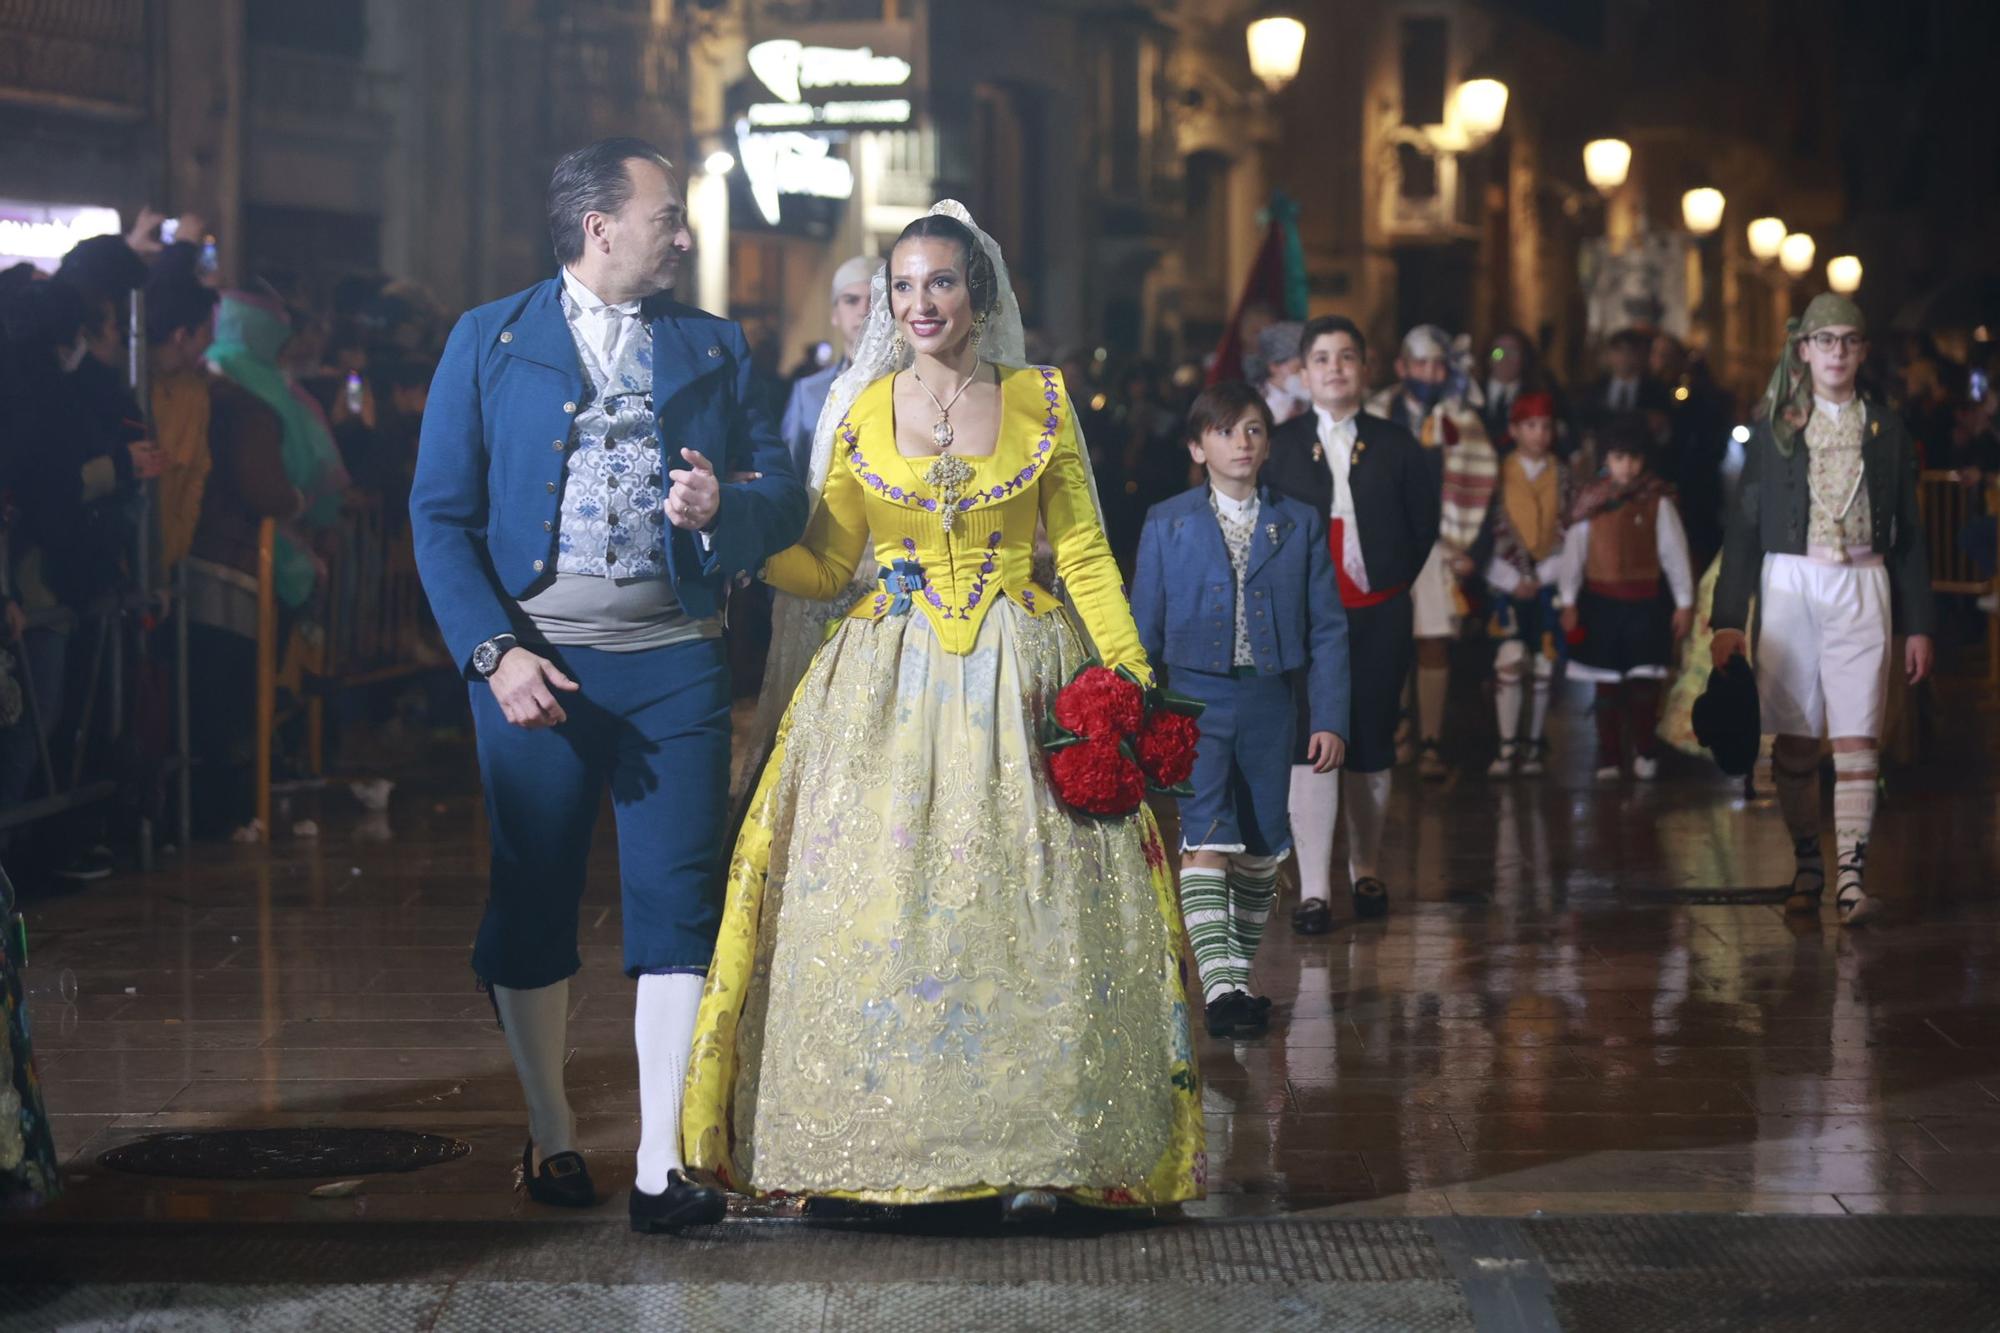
{"x":1234,"y":598}
{"x":1825,"y":534}
{"x":1380,"y":491}
{"x":1523,"y":559}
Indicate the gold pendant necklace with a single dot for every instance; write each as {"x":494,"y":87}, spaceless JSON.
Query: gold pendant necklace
{"x":941,"y":430}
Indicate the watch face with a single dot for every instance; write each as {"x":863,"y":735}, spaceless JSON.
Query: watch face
{"x":485,"y":658}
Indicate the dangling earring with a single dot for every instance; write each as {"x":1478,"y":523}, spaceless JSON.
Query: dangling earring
{"x":978,"y":330}
{"x":897,"y":346}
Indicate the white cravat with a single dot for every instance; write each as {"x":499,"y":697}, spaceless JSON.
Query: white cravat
{"x":1829,"y":407}
{"x":604,"y":324}
{"x":1336,"y":440}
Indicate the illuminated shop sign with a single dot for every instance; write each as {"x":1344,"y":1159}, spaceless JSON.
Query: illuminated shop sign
{"x":802,"y":101}
{"x":830,"y":115}
{"x":43,"y":233}
{"x":792,"y":69}
{"x":790,"y":162}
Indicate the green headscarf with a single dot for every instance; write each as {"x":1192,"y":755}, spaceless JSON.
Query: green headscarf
{"x":1788,"y":399}
{"x":249,"y":330}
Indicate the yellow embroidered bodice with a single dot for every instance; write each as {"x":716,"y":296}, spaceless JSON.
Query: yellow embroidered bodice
{"x":1034,"y":472}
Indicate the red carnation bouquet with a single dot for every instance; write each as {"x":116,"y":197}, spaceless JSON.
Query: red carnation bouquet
{"x":1110,"y":740}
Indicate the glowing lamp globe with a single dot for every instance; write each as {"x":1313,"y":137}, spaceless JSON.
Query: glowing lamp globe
{"x":1843,"y":274}
{"x":1702,"y":210}
{"x":1276,"y":46}
{"x":1606,"y":163}
{"x":1795,"y":256}
{"x":1767,"y":237}
{"x":1481,"y":108}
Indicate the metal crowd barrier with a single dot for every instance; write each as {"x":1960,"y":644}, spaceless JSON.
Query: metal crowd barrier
{"x":374,"y":620}
{"x":1950,"y":509}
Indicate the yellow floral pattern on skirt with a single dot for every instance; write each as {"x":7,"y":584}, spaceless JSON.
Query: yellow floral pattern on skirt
{"x":934,"y":981}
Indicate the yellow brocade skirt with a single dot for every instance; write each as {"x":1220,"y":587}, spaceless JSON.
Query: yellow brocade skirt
{"x":933,"y":980}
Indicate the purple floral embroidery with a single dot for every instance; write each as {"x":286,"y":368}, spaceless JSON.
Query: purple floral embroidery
{"x":1044,"y":449}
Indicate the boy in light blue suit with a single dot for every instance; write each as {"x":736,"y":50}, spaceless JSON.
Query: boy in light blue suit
{"x":1235,"y":597}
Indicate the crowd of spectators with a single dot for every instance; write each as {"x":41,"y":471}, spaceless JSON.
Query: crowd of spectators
{"x":261,"y":403}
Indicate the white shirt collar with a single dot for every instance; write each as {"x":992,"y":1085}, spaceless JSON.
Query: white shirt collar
{"x":1240,"y":510}
{"x":1828,"y":406}
{"x":1533,"y":467}
{"x":1327,"y":422}
{"x":591,"y":303}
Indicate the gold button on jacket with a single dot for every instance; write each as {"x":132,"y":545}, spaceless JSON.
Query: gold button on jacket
{"x":1035,"y":472}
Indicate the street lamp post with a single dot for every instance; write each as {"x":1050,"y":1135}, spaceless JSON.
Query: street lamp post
{"x":1480,"y":109}
{"x":1701,"y":210}
{"x":1606,"y":163}
{"x":1795,"y":256}
{"x":1277,"y":44}
{"x":1766,"y":237}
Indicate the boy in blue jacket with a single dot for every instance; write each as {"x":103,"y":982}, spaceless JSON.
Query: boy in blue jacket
{"x":1235,"y":597}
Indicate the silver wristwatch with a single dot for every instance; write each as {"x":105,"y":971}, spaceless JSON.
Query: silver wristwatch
{"x":486,"y":657}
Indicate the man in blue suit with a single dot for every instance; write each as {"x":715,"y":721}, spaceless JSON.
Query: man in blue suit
{"x":576,"y":534}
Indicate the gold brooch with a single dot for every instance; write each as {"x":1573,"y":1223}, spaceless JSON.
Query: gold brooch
{"x":947,"y":476}
{"x":1271,"y":532}
{"x":1874,"y":428}
{"x":1319,"y":453}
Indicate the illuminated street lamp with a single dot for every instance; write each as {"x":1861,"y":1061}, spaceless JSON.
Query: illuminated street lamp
{"x":1795,"y":256}
{"x":1843,"y":274}
{"x":1767,"y":237}
{"x":1702,"y":210}
{"x":1277,"y":43}
{"x":1606,"y":163}
{"x":1481,"y":108}
{"x":719,"y":163}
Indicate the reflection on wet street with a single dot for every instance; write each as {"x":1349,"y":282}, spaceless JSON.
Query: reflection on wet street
{"x":1586,"y":1000}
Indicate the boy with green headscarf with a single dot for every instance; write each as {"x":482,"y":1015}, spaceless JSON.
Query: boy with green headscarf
{"x":1825,"y":533}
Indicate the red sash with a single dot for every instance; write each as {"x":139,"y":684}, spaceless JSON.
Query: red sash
{"x":1351,"y":594}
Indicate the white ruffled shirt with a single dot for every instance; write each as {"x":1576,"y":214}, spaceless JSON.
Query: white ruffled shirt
{"x":1336,"y":439}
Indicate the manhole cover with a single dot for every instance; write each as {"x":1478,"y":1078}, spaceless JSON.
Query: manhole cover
{"x":282,"y":1154}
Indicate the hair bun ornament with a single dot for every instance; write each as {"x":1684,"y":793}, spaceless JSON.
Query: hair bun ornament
{"x":951,"y":208}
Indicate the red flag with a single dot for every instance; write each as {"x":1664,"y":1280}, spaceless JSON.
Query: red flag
{"x":1266,"y":286}
{"x":1277,"y":281}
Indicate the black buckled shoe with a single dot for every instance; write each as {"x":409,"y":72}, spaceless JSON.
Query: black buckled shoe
{"x":1225,"y":1014}
{"x":1371,"y":899}
{"x":1312,"y":917}
{"x":563,"y":1181}
{"x":684,"y":1203}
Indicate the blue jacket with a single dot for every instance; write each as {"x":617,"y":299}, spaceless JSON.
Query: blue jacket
{"x":494,"y":453}
{"x":1184,"y":597}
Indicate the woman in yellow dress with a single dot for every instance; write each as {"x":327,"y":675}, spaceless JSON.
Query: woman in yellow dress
{"x":934,"y":981}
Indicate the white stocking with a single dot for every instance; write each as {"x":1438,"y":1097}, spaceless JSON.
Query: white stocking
{"x":1314,"y":807}
{"x":1367,"y":812}
{"x":1538,"y":717}
{"x":1507,"y":689}
{"x":537,"y":1025}
{"x":663,"y":1030}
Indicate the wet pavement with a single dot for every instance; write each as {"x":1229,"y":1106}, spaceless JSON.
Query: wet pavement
{"x":1585,"y":1002}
